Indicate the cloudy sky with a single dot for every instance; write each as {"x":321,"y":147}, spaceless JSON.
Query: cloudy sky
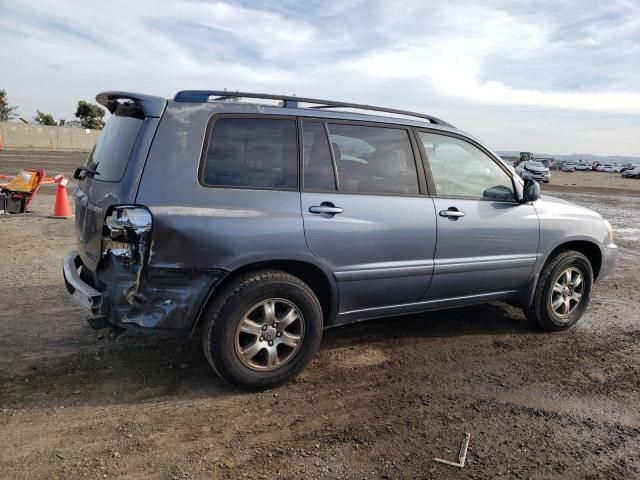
{"x":555,"y":76}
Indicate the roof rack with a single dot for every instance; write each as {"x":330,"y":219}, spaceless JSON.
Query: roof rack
{"x":291,"y":101}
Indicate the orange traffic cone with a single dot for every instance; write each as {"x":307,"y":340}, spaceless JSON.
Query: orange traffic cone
{"x":62,"y":208}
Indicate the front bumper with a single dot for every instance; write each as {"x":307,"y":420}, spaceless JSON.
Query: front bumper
{"x":609,"y":255}
{"x":537,"y":176}
{"x":82,"y":293}
{"x":541,"y":178}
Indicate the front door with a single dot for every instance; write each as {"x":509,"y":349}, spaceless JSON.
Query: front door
{"x":487,"y":242}
{"x":365,"y":214}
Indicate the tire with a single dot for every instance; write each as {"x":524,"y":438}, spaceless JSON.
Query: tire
{"x":248,"y":315}
{"x":542,"y":312}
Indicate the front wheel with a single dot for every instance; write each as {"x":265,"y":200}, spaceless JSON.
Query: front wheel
{"x":262,"y":330}
{"x":563,"y":292}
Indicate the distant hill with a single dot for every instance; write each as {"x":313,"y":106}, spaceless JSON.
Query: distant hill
{"x":585,"y":157}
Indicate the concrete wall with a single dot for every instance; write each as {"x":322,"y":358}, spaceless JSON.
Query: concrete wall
{"x":20,"y":135}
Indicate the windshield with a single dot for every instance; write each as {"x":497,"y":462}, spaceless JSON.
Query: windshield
{"x":536,"y":164}
{"x":110,"y":154}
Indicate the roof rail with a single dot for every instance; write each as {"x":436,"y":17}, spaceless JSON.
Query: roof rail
{"x":290,"y":101}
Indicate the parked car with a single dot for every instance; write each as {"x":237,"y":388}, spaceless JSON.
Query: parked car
{"x":633,"y":173}
{"x":568,"y":167}
{"x":263,"y":225}
{"x":582,"y":167}
{"x":608,"y":168}
{"x":532,"y":170}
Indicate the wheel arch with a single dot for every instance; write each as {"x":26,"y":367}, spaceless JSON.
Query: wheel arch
{"x":589,"y":249}
{"x":320,"y":281}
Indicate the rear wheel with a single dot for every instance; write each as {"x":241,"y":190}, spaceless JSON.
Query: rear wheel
{"x":263,"y":329}
{"x":563,"y":292}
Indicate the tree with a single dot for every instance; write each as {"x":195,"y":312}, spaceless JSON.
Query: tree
{"x":45,"y":118}
{"x":6,"y":112}
{"x":90,"y":115}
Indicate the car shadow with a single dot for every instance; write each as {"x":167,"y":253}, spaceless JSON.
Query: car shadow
{"x":487,"y":319}
{"x":80,"y":367}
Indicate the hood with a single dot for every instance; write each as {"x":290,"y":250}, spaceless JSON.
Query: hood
{"x":533,"y":168}
{"x":548,"y":205}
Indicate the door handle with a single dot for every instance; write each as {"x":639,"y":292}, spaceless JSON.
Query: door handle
{"x":452,"y":213}
{"x":325,"y":209}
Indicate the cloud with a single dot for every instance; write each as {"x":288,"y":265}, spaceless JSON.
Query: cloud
{"x":514,"y":66}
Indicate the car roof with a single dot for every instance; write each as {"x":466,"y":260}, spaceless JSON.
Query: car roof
{"x":258,"y":108}
{"x":227,"y":102}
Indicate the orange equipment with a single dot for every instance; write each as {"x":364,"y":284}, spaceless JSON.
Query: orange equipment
{"x":22,"y":189}
{"x":62,"y":208}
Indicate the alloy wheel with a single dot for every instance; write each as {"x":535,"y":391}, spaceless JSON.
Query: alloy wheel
{"x":567,"y":292}
{"x":269,"y":334}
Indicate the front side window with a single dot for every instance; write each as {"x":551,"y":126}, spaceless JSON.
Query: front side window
{"x":460,"y":169}
{"x":252,"y":152}
{"x":373,"y":159}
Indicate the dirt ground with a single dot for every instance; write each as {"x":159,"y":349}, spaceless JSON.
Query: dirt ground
{"x":590,"y":181}
{"x":381,"y":400}
{"x":53,"y":163}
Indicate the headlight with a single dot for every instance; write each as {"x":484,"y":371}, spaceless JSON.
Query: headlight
{"x":609,"y":230}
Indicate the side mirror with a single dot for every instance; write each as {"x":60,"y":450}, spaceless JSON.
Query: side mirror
{"x":499,"y":192}
{"x":531,"y":191}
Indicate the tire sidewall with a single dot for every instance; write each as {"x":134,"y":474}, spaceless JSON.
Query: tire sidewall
{"x":581,"y":263}
{"x":222,"y":337}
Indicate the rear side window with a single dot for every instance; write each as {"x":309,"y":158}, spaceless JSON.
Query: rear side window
{"x":318,"y":166}
{"x":373,"y":159}
{"x":111,"y":152}
{"x":252,"y":152}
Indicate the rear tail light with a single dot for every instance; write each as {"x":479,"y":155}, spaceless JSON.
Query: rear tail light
{"x":126,"y":233}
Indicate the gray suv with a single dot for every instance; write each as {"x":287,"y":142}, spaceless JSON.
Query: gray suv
{"x":264,"y":223}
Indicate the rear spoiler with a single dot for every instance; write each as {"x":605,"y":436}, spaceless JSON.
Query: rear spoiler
{"x":151,"y":105}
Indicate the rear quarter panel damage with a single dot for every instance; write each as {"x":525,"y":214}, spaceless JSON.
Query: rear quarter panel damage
{"x":201,"y":233}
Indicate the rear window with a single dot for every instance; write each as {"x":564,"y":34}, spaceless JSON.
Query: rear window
{"x":252,"y":153}
{"x":111,"y":152}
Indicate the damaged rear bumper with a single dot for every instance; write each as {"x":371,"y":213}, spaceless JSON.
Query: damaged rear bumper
{"x":82,"y":293}
{"x":156,"y":300}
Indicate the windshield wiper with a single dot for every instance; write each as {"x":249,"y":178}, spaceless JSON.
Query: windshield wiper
{"x":82,"y":172}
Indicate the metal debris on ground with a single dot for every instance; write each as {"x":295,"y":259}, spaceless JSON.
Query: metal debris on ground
{"x":462,"y":456}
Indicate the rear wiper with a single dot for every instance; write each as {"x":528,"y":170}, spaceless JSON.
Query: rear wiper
{"x":82,"y":172}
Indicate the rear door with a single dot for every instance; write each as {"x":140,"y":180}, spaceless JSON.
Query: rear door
{"x":365,"y":213}
{"x":487,"y":241}
{"x":117,"y":160}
